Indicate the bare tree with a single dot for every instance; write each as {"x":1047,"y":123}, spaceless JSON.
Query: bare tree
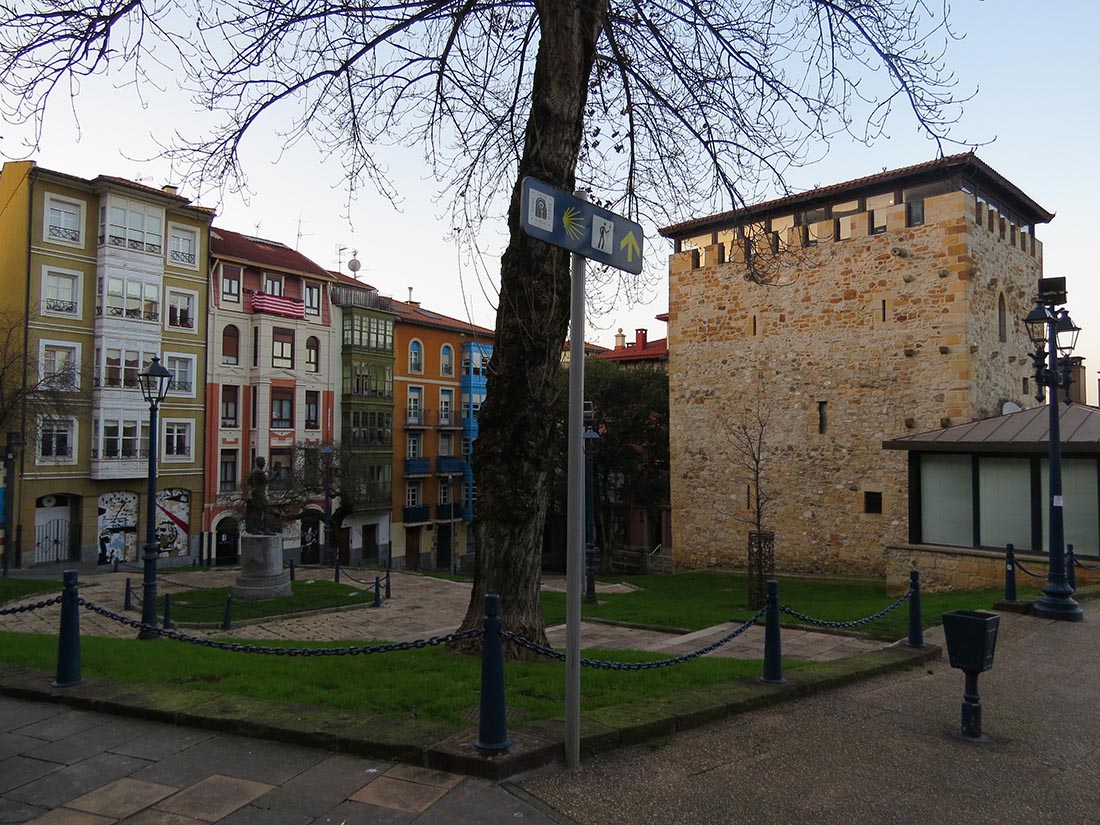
{"x":655,"y":106}
{"x":32,"y":388}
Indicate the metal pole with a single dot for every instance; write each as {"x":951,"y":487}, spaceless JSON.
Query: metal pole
{"x":575,"y":520}
{"x":590,"y":439}
{"x":152,"y":543}
{"x":328,"y":505}
{"x":1056,"y":601}
{"x":451,"y":499}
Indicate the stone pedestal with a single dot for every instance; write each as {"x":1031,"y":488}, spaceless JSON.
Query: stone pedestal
{"x":262,"y":575}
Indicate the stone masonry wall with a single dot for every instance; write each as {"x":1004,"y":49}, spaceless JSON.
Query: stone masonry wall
{"x":869,"y":338}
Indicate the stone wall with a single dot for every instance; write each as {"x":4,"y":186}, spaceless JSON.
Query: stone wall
{"x":959,"y":568}
{"x":861,"y":340}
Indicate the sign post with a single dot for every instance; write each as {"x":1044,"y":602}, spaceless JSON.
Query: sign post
{"x":588,"y":231}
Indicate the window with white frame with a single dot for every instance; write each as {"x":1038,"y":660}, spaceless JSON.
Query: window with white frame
{"x":230,"y":405}
{"x":59,"y":365}
{"x":120,"y":438}
{"x":416,"y":357}
{"x":56,"y":440}
{"x":282,"y":348}
{"x":446,"y":408}
{"x":132,"y":225}
{"x":313,"y":299}
{"x":128,"y":298}
{"x":120,"y":366}
{"x":182,"y":368}
{"x":183,"y":246}
{"x":282,"y":408}
{"x":412,"y":494}
{"x":231,"y":283}
{"x":446,"y":445}
{"x":447,"y":361}
{"x":177,"y":440}
{"x":444,"y":491}
{"x":273,"y":284}
{"x":227,"y":473}
{"x":64,"y":221}
{"x":467,"y":446}
{"x":60,"y":292}
{"x":413,"y":446}
{"x":181,"y":309}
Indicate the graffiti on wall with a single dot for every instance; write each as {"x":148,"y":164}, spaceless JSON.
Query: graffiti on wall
{"x":173,"y":521}
{"x":118,"y":513}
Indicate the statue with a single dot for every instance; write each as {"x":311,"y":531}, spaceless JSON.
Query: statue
{"x":257,"y":509}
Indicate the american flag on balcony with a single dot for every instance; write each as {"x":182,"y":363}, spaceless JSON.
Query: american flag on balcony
{"x":278,"y":305}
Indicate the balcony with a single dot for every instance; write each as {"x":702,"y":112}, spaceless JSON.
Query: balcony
{"x":344,"y":296}
{"x":418,"y":466}
{"x":118,"y":466}
{"x":417,"y":418}
{"x":448,"y":419}
{"x":449,"y":465}
{"x":413,"y":515}
{"x":449,"y":512}
{"x":264,"y":302}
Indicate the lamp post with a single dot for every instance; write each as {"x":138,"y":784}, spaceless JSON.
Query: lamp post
{"x":591,"y":437}
{"x":326,"y":451}
{"x":11,"y":453}
{"x":451,"y":539}
{"x":1054,"y":336}
{"x":155,"y":383}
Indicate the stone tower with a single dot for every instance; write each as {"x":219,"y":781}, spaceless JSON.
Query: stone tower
{"x":844,"y":316}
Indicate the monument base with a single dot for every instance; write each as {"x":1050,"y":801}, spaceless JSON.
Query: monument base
{"x":262,"y":575}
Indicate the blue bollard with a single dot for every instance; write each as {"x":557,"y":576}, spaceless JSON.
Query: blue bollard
{"x":1071,"y":564}
{"x":336,"y":573}
{"x":773,"y":646}
{"x":167,"y":623}
{"x":128,"y":601}
{"x":387,"y":584}
{"x":492,"y":731}
{"x":227,"y":622}
{"x":1010,"y":573}
{"x":292,"y":569}
{"x":916,"y":629}
{"x":377,"y":591}
{"x":114,"y":565}
{"x":68,"y":636}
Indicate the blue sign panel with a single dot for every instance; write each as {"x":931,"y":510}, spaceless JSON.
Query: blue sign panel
{"x":564,"y":220}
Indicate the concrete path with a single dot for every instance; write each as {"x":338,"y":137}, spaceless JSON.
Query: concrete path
{"x":885,"y":750}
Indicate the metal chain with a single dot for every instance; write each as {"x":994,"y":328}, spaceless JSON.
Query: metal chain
{"x":346,"y":575}
{"x":1077,"y":561}
{"x":1024,"y":570}
{"x":364,"y":650}
{"x":603,"y":664}
{"x":27,"y":608}
{"x":802,"y":617}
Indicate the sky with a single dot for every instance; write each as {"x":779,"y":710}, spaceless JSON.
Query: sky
{"x":1036,"y":108}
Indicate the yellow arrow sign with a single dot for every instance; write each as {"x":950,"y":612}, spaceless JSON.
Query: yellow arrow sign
{"x":573,"y":221}
{"x":630,"y":244}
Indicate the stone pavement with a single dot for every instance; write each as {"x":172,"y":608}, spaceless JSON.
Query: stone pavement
{"x":884,"y":750}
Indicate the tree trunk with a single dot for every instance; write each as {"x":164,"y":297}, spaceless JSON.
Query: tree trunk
{"x":512,"y":454}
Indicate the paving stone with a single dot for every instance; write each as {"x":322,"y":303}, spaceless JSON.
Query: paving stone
{"x":64,"y":816}
{"x":19,"y":770}
{"x":238,"y":756}
{"x":63,"y":725}
{"x":121,"y":798}
{"x":399,"y":795}
{"x":214,"y":797}
{"x":21,"y":713}
{"x":60,"y":786}
{"x":358,"y":813}
{"x":89,"y":742}
{"x":151,"y":816}
{"x":425,"y":776}
{"x":162,"y":741}
{"x":313,"y":791}
{"x":15,"y":812}
{"x":250,"y":815}
{"x":13,"y":743}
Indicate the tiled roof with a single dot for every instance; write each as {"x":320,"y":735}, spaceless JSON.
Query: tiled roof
{"x":348,"y":280}
{"x":966,"y":162}
{"x":264,"y":253}
{"x":652,"y":351}
{"x":113,"y":180}
{"x":1026,"y":431}
{"x":411,"y":314}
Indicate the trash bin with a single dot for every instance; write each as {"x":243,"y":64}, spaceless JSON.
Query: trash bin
{"x":971,"y":637}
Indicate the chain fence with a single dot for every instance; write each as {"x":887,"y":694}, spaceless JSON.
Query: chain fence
{"x":802,"y":617}
{"x":1089,"y":567}
{"x":604,"y":664}
{"x":1026,"y":572}
{"x":27,"y":608}
{"x":235,"y":647}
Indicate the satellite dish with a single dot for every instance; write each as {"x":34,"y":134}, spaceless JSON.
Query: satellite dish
{"x":1010,"y":407}
{"x":354,"y":264}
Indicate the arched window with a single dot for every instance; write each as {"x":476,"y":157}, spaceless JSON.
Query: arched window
{"x":447,"y":361}
{"x":313,"y":349}
{"x":231,"y":345}
{"x":1002,"y":319}
{"x":416,"y":357}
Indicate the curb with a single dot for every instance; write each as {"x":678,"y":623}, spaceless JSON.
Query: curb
{"x":444,"y":747}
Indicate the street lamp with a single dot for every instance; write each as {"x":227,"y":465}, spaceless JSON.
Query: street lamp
{"x":1054,"y":336}
{"x":14,"y":447}
{"x":591,"y":437}
{"x":326,"y":451}
{"x":155,"y":383}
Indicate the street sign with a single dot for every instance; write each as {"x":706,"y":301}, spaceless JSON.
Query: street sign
{"x":564,"y":220}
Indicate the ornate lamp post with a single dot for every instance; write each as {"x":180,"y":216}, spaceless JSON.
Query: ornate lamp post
{"x":1054,"y":336}
{"x":155,"y":383}
{"x":11,"y":453}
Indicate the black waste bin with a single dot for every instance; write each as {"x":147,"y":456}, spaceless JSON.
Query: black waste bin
{"x":971,"y":640}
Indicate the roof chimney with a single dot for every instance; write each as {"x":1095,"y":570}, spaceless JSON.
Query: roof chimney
{"x":640,"y":336}
{"x":411,"y":302}
{"x":620,"y":339}
{"x":169,"y":189}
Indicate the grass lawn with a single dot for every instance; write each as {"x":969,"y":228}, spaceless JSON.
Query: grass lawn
{"x":692,"y":601}
{"x":208,"y":605}
{"x":431,"y":684}
{"x":11,"y":589}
